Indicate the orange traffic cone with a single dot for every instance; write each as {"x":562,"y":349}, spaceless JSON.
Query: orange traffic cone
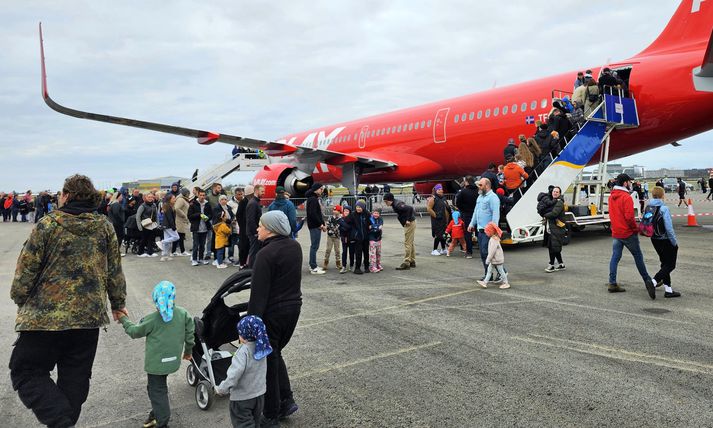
{"x":691,"y":215}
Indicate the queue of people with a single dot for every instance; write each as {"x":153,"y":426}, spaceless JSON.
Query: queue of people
{"x":60,"y":312}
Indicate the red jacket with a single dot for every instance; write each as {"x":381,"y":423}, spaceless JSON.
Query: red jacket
{"x":621,"y":213}
{"x":456,"y":230}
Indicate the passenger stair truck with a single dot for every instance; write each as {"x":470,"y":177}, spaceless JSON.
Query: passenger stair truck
{"x":614,"y":112}
{"x":217,"y":173}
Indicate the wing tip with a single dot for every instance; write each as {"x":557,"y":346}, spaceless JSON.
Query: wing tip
{"x":45,"y":92}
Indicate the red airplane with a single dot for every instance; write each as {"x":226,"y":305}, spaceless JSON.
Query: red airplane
{"x":671,"y":81}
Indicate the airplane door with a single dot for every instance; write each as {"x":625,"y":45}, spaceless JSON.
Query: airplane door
{"x":362,"y":136}
{"x":439,"y":125}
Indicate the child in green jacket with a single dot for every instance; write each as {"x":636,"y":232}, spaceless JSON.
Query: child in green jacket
{"x":169,"y":334}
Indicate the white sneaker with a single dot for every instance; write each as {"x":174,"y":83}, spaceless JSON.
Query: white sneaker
{"x":448,"y":253}
{"x":215,"y":263}
{"x":205,"y":262}
{"x":443,"y":252}
{"x":163,"y":259}
{"x":122,"y":254}
{"x":550,"y":269}
{"x":143,"y":255}
{"x":435,"y":253}
{"x":317,"y":271}
{"x":221,"y":266}
{"x":482,"y":283}
{"x":153,"y":255}
{"x":194,"y":263}
{"x":185,"y":253}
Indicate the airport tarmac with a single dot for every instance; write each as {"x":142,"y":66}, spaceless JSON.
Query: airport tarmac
{"x":430,"y":348}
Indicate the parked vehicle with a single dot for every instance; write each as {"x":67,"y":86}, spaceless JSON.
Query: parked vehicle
{"x":671,"y":185}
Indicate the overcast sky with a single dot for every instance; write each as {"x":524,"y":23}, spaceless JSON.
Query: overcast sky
{"x":266,"y":69}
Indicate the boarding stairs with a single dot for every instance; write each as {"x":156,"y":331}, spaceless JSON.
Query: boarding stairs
{"x":239,"y":162}
{"x":614,"y":112}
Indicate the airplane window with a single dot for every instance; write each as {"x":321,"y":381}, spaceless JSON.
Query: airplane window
{"x":355,"y":136}
{"x":388,"y":131}
{"x":423,"y":124}
{"x":398,"y":129}
{"x":462,"y":117}
{"x":544,"y":103}
{"x":455,"y":118}
{"x":533,"y":105}
{"x":415,"y":125}
{"x":514,"y":108}
{"x":480,"y":114}
{"x":429,"y":123}
{"x":373,"y":133}
{"x":405,"y":127}
{"x":523,"y":107}
{"x":496,"y":111}
{"x":410,"y":126}
{"x":471,"y":115}
{"x":393,"y":129}
{"x":487,"y":113}
{"x":505,"y":110}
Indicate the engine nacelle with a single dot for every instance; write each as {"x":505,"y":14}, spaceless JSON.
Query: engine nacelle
{"x":295,"y":181}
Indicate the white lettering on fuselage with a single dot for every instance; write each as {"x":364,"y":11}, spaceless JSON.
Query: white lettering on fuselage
{"x":696,"y":6}
{"x":316,"y":140}
{"x":265,"y":182}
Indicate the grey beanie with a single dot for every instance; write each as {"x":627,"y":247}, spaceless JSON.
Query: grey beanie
{"x":185,"y":192}
{"x":276,"y":222}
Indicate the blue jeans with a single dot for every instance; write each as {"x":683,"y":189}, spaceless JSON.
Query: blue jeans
{"x":632,"y":244}
{"x":220,"y":255}
{"x":483,"y":247}
{"x":315,"y":235}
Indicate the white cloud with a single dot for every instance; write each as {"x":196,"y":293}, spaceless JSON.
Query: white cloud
{"x":268,"y":69}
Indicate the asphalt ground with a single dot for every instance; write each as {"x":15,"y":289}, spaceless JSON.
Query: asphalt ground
{"x":430,"y":348}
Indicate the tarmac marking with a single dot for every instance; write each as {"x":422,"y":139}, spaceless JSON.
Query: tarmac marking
{"x":365,"y":360}
{"x":619,"y":354}
{"x":595,"y":308}
{"x":376,"y":311}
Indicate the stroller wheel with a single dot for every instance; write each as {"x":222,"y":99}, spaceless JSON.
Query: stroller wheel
{"x":191,"y":377}
{"x":205,"y":395}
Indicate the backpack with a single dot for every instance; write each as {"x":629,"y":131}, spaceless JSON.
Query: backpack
{"x":649,"y":220}
{"x":593,"y":98}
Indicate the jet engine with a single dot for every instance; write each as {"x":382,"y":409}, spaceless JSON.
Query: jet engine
{"x":295,"y":181}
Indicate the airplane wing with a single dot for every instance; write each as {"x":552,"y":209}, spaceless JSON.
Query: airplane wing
{"x":707,"y":65}
{"x":305,"y":154}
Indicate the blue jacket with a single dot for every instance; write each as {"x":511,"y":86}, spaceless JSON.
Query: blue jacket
{"x":287,"y":207}
{"x":665,"y":214}
{"x":487,"y":209}
{"x":375,"y":226}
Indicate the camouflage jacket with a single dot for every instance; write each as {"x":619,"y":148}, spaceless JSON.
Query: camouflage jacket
{"x":66,"y":270}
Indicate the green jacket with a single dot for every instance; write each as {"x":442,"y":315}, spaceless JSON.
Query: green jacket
{"x":166,"y":342}
{"x":66,"y":270}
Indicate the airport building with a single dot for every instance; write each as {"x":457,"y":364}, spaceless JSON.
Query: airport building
{"x":162,"y":183}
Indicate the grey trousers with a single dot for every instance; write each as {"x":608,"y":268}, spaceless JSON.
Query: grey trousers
{"x":246,"y":413}
{"x":158,"y":395}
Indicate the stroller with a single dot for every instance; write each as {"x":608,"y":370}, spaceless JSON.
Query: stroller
{"x":216,"y":327}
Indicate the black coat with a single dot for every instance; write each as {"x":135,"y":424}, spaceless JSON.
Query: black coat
{"x":557,"y":234}
{"x":277,"y":277}
{"x":253,"y":212}
{"x":493,"y":177}
{"x":403,"y":212}
{"x":241,"y":214}
{"x":509,"y":152}
{"x":358,"y":226}
{"x":169,"y":218}
{"x":313,"y":211}
{"x":465,"y":201}
{"x":194,"y":214}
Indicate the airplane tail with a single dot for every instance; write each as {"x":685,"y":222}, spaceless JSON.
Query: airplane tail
{"x":690,"y":26}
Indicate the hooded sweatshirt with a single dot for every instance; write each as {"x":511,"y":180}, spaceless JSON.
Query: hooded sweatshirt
{"x":66,"y":270}
{"x":621,"y":213}
{"x":665,"y":214}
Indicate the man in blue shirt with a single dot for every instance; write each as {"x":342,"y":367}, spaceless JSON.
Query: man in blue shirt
{"x":487,"y":209}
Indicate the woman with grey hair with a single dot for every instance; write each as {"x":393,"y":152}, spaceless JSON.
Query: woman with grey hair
{"x":276,"y":297}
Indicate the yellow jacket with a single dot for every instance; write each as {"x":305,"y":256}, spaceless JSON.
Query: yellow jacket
{"x":222,"y":234}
